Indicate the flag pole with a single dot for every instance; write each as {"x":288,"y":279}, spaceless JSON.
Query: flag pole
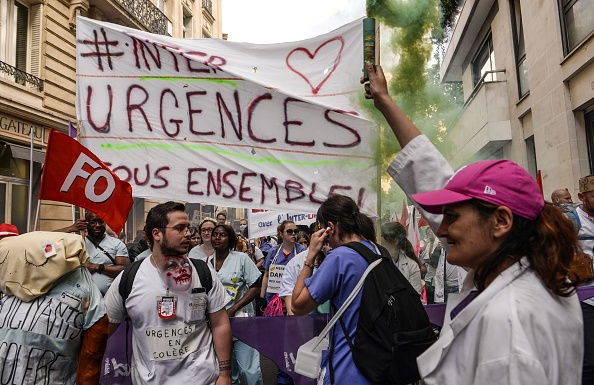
{"x":378,"y":228}
{"x":32,"y":132}
{"x":37,"y":215}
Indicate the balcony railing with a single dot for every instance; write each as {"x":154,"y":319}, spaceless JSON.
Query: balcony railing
{"x":207,"y":4}
{"x":148,"y":14}
{"x":21,"y":77}
{"x":488,"y":77}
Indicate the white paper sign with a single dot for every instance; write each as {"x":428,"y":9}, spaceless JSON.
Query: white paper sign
{"x":206,"y":120}
{"x":172,"y":342}
{"x":275,"y":278}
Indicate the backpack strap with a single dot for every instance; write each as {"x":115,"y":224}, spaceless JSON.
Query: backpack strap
{"x":575,"y":219}
{"x":127,"y":279}
{"x":366,"y":253}
{"x":130,"y":271}
{"x":203,"y":273}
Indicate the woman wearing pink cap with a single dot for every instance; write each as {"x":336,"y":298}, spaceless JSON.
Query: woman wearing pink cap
{"x":517,"y":318}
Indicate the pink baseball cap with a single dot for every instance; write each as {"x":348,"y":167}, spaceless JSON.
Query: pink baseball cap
{"x":500,"y":182}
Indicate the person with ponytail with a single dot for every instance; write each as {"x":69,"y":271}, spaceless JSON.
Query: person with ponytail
{"x":339,"y":222}
{"x":403,"y":255}
{"x":517,"y":319}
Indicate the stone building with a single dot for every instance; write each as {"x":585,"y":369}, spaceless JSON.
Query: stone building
{"x":37,"y":86}
{"x":527,"y":69}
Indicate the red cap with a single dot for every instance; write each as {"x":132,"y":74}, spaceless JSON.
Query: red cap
{"x":8,"y":230}
{"x":500,"y":182}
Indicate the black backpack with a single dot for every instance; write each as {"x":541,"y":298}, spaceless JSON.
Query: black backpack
{"x":130,"y":272}
{"x":393,"y":327}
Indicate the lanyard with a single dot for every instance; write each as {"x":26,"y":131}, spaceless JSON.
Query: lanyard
{"x":279,"y":249}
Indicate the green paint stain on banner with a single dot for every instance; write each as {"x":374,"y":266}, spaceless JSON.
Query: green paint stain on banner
{"x":232,"y":83}
{"x":231,"y":154}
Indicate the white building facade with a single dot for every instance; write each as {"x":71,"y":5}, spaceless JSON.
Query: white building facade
{"x":527,"y":69}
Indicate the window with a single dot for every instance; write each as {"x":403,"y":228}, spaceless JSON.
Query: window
{"x":14,"y":189}
{"x":531,"y":155}
{"x":15,"y":35}
{"x":520,"y":48}
{"x":161,"y":5}
{"x":187,"y":27}
{"x":20,"y":42}
{"x":578,"y":22}
{"x":589,"y":117}
{"x":484,"y":62}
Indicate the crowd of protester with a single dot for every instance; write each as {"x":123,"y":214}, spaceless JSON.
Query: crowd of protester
{"x":506,"y":263}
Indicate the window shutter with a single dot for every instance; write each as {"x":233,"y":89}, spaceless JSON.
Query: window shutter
{"x":22,"y":36}
{"x":36,"y":15}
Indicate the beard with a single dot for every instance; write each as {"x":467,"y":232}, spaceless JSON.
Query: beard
{"x":168,"y":249}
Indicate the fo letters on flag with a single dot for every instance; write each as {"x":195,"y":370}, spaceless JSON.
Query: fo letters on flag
{"x":73,"y":174}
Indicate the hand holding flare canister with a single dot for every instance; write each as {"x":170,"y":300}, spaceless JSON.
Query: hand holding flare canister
{"x":368,"y":44}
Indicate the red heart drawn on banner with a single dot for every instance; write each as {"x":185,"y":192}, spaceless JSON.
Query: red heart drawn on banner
{"x":323,"y":47}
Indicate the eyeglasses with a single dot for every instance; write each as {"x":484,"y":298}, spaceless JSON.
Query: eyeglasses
{"x":291,"y":231}
{"x":207,"y":231}
{"x":220,"y":235}
{"x":182,"y":229}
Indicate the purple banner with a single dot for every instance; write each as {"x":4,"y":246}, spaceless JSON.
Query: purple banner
{"x":115,"y":369}
{"x":279,"y":338}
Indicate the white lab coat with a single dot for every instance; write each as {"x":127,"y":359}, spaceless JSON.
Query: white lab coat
{"x":515,"y":332}
{"x":410,"y":269}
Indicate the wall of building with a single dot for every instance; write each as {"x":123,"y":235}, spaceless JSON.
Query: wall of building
{"x":561,"y":88}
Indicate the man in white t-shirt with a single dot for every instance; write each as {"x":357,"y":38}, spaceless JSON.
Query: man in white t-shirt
{"x":181,"y":330}
{"x":108,"y":256}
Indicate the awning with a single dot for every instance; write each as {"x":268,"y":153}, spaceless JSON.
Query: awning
{"x":24,"y":152}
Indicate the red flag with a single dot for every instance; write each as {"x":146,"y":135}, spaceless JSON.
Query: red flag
{"x":539,"y":181}
{"x":73,"y":174}
{"x":404,"y":215}
{"x":423,"y":222}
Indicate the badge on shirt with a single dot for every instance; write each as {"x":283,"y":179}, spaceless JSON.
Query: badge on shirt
{"x":166,"y":306}
{"x":230,"y":293}
{"x":69,"y":300}
{"x":49,"y":250}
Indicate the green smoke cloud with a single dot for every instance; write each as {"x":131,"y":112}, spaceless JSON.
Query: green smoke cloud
{"x":414,"y":84}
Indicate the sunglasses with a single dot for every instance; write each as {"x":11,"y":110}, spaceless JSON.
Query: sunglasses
{"x":291,"y":231}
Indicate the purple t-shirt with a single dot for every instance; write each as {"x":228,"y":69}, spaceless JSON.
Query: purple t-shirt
{"x":335,"y":279}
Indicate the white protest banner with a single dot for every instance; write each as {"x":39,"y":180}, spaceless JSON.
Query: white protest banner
{"x":264,"y":222}
{"x":232,"y":124}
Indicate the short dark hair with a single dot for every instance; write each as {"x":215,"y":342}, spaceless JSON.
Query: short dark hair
{"x":231,"y":234}
{"x":157,"y":217}
{"x":223,"y":214}
{"x":90,"y":214}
